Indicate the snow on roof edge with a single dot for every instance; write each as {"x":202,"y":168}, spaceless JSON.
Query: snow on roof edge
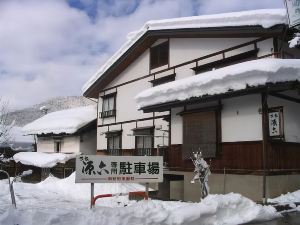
{"x":41,"y":159}
{"x":65,"y":121}
{"x":242,"y":18}
{"x":236,"y":77}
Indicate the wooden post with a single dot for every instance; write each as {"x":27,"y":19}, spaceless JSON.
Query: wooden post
{"x":147,"y":189}
{"x":92,"y":194}
{"x":265,"y":130}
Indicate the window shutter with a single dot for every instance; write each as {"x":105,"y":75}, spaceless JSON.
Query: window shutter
{"x":200,"y":132}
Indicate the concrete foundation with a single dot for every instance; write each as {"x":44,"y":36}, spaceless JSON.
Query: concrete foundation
{"x":250,"y":186}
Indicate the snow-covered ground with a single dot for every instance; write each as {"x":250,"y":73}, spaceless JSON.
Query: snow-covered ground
{"x":289,"y":198}
{"x":63,"y":202}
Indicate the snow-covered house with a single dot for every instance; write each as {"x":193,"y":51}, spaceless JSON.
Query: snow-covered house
{"x":67,"y":131}
{"x":175,"y":57}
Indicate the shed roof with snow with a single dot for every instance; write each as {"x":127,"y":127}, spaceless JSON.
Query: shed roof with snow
{"x":262,"y":22}
{"x":67,"y":121}
{"x":244,"y":76}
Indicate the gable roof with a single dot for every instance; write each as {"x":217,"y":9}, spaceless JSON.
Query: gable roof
{"x":255,"y":73}
{"x":207,"y":25}
{"x":66,"y":121}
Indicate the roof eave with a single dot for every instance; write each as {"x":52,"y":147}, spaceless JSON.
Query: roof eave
{"x":151,"y":35}
{"x":268,"y":88}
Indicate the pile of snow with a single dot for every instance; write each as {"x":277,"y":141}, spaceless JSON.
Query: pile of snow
{"x":263,"y":17}
{"x":295,"y":41}
{"x":215,"y":209}
{"x":66,"y":121}
{"x":231,"y":78}
{"x":286,"y":198}
{"x":79,"y":191}
{"x":40,"y":159}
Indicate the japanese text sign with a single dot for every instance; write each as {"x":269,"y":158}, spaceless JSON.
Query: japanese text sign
{"x":118,"y":169}
{"x":275,"y":115}
{"x":293,"y":9}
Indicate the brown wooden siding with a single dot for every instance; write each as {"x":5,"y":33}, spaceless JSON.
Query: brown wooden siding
{"x":244,"y":157}
{"x":283,"y":155}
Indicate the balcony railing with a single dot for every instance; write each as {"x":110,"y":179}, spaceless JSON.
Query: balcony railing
{"x":144,"y":151}
{"x":115,"y":152}
{"x":108,"y":113}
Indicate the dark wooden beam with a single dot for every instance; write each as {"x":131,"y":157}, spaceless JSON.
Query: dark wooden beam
{"x":285,"y":97}
{"x":265,"y":131}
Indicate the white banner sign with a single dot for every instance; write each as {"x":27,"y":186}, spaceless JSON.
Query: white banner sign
{"x":118,"y":169}
{"x":293,"y":8}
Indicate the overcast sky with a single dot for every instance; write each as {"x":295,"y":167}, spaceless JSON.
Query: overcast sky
{"x":50,"y":48}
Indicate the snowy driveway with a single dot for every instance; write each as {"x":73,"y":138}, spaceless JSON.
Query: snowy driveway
{"x":64,"y":202}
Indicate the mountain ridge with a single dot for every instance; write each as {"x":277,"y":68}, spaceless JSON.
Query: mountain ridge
{"x":29,"y":114}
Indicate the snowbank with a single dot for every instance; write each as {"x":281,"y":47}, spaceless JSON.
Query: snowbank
{"x":68,"y":187}
{"x":263,"y":17}
{"x":43,"y":160}
{"x":56,"y":201}
{"x":214,"y":210}
{"x":65,"y":121}
{"x":236,"y":77}
{"x":286,"y":198}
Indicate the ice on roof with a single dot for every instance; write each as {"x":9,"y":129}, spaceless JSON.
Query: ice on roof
{"x":236,"y":77}
{"x":263,"y":17}
{"x":65,"y":121}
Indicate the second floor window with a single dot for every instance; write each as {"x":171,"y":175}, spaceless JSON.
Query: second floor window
{"x":108,"y":106}
{"x":144,"y":141}
{"x":159,"y":55}
{"x":114,"y":142}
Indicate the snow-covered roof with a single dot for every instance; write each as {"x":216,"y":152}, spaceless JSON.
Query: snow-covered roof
{"x":66,"y":121}
{"x":263,"y":17}
{"x":40,"y":159}
{"x":231,"y":78}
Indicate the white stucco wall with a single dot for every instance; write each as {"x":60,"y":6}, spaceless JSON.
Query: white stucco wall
{"x":88,"y":143}
{"x":240,"y":119}
{"x":45,"y":145}
{"x":139,"y":68}
{"x":68,"y":144}
{"x":185,"y":49}
{"x":176,"y":126}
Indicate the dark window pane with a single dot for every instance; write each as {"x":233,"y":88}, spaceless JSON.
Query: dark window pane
{"x":159,"y":55}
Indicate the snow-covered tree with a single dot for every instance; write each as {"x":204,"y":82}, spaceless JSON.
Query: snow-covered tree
{"x":295,"y":41}
{"x":202,"y":172}
{"x":5,"y":134}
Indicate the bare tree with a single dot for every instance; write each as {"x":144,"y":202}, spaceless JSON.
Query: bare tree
{"x":5,"y":127}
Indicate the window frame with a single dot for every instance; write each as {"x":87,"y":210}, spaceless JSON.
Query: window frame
{"x":158,"y":50}
{"x":217,"y":111}
{"x":144,"y":151}
{"x":108,"y":113}
{"x":112,"y":135}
